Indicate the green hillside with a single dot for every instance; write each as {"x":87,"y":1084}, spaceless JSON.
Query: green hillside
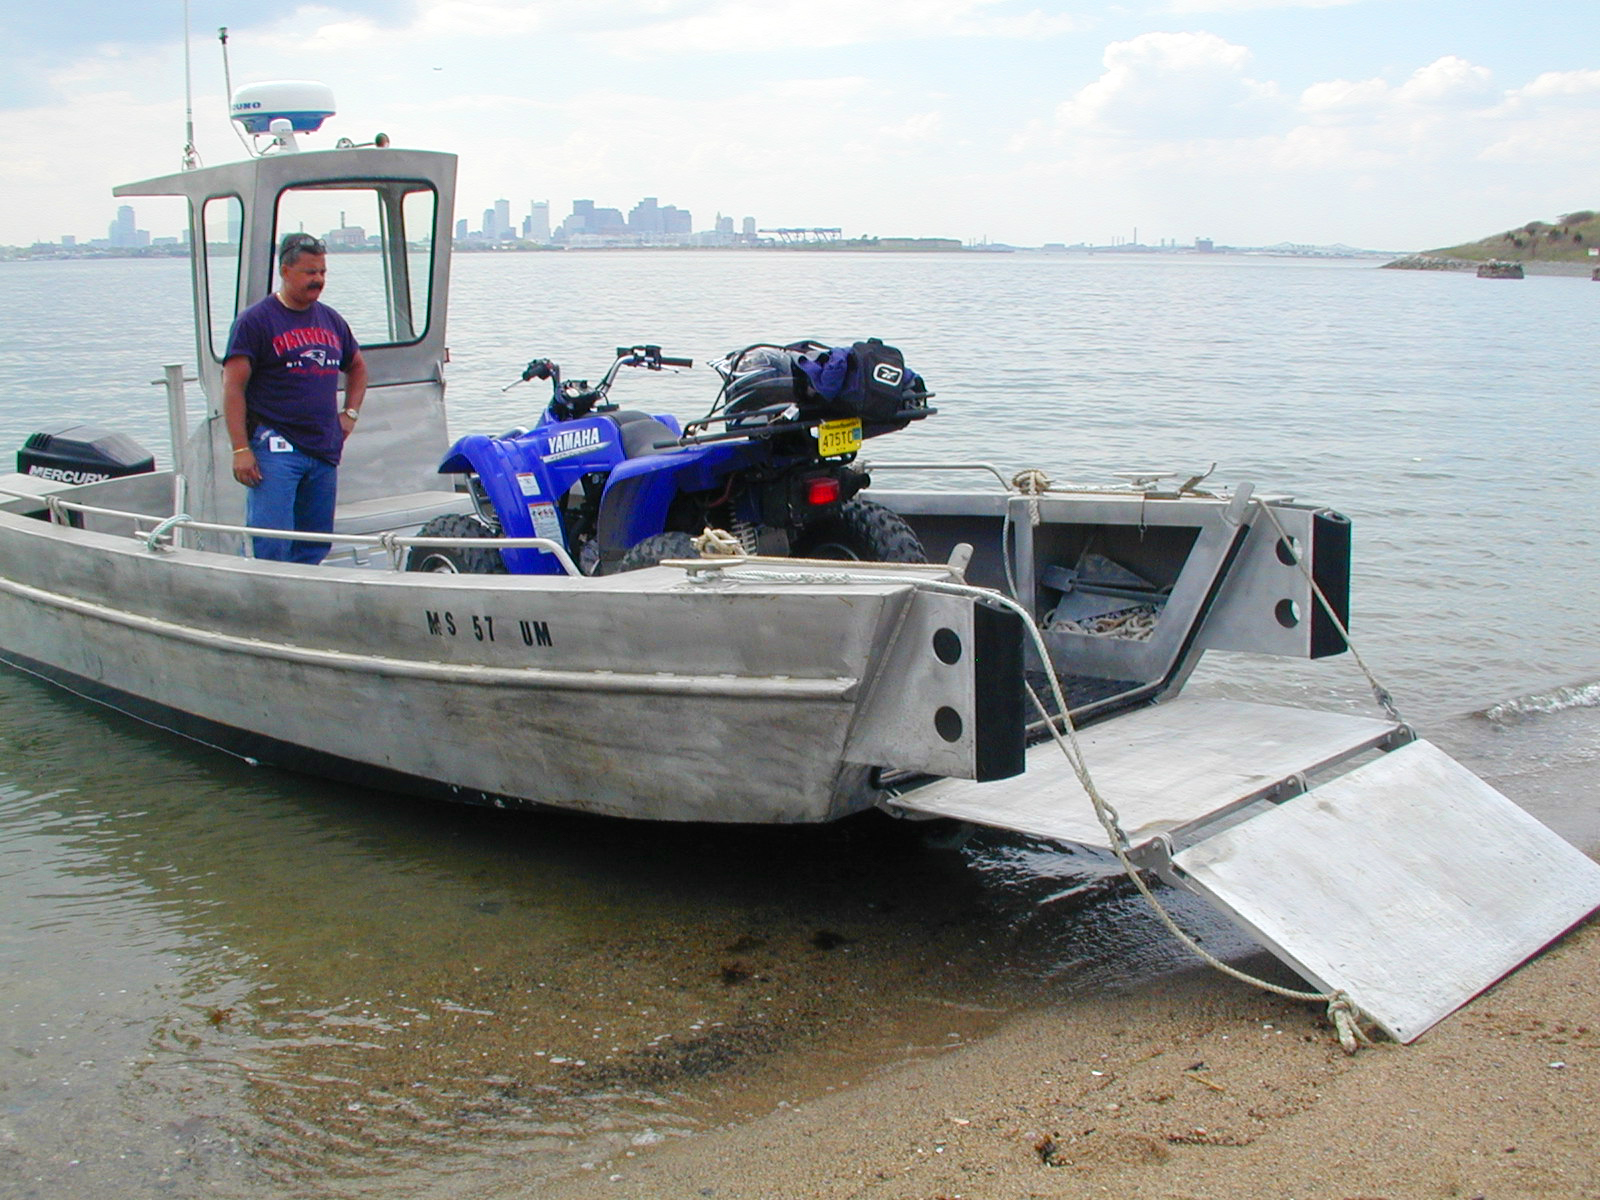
{"x":1568,"y":240}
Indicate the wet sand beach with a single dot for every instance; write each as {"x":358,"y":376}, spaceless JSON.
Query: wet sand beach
{"x":1193,"y":1086}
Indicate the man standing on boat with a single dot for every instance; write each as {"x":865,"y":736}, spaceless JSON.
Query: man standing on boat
{"x":280,"y":389}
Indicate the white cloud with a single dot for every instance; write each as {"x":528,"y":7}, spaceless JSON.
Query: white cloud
{"x":1165,"y":85}
{"x":1441,"y":110}
{"x":1183,"y":129}
{"x":1449,"y":81}
{"x":1553,"y":84}
{"x":1550,"y":120}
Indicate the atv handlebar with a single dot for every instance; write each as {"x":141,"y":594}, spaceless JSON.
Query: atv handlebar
{"x":649,"y":357}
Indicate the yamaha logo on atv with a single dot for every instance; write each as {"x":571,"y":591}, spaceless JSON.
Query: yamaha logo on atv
{"x":887,"y":373}
{"x":571,"y":441}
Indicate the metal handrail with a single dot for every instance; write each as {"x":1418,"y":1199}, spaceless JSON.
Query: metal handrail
{"x":390,"y":542}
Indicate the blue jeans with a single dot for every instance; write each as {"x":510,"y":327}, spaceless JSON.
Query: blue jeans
{"x":296,"y":492}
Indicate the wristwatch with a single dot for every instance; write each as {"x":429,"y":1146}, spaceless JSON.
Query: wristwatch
{"x":353,"y":413}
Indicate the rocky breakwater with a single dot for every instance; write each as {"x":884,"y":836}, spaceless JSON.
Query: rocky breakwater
{"x":1430,"y":262}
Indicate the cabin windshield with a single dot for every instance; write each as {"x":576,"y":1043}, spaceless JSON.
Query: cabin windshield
{"x":380,"y":251}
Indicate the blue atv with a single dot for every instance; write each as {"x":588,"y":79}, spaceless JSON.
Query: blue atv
{"x":772,"y":464}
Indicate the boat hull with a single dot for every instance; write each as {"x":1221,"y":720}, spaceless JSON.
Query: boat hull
{"x":644,"y":696}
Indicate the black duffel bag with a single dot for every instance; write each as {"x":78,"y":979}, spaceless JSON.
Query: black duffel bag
{"x":867,"y":379}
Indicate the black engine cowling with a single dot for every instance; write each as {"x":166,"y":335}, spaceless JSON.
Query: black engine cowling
{"x":83,"y":454}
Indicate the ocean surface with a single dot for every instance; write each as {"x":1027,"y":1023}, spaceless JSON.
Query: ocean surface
{"x":224,"y":981}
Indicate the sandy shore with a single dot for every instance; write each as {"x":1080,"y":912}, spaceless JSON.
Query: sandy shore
{"x":1191,"y":1087}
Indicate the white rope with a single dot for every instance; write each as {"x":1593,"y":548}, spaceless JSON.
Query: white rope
{"x":1342,"y":1012}
{"x":1032,"y":483}
{"x":390,"y":544}
{"x":718,"y":543}
{"x":1129,"y":624}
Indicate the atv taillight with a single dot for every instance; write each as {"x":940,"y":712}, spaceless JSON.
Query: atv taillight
{"x":822,"y":490}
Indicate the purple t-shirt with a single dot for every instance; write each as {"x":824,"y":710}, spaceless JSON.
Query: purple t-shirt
{"x":295,"y":360}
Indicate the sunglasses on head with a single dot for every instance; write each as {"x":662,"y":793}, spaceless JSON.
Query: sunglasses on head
{"x":297,"y":244}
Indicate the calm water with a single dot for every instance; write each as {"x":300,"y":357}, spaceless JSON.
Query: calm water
{"x":225,"y":981}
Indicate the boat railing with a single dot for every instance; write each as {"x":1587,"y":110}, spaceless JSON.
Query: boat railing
{"x":164,"y":533}
{"x":1033,"y":483}
{"x":940,"y":467}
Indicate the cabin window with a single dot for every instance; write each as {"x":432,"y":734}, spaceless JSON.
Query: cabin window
{"x":221,"y":226}
{"x":380,"y":252}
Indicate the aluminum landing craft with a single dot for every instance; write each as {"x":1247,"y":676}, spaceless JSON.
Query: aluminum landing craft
{"x":759,"y":690}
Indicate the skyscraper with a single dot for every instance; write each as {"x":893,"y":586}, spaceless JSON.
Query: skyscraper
{"x":538,"y":222}
{"x":123,"y":231}
{"x":502,"y":219}
{"x":645,"y":217}
{"x":579,"y":218}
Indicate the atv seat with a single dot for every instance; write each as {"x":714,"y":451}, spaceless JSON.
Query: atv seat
{"x":641,"y":432}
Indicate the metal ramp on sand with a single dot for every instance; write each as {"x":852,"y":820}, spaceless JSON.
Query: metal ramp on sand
{"x":1368,"y":861}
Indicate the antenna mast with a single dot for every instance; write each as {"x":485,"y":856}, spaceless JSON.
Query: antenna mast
{"x":227,"y":75}
{"x":227,"y":82}
{"x":191,"y":156}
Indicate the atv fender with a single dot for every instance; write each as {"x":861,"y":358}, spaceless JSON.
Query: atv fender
{"x":502,"y":465}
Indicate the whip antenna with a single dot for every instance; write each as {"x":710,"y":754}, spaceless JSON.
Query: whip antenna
{"x":191,"y":156}
{"x":227,"y":75}
{"x":227,"y":83}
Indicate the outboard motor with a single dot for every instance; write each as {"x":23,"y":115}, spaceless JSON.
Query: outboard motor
{"x":83,"y":454}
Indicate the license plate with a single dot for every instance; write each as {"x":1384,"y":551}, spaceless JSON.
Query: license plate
{"x":839,"y":437}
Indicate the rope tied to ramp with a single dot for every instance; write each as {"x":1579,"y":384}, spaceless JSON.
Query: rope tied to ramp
{"x":1346,"y":1018}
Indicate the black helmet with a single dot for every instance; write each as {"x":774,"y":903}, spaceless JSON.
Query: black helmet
{"x":758,"y":377}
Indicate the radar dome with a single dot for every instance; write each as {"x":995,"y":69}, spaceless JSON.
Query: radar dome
{"x":304,"y":104}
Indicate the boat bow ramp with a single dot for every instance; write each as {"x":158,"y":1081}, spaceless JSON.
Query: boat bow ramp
{"x":1365,"y":858}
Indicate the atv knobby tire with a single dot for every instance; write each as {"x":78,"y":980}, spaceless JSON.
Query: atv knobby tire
{"x":656,"y":549}
{"x":865,"y":532}
{"x":456,"y":560}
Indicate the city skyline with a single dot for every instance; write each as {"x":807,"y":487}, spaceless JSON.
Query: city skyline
{"x":648,"y":222}
{"x":123,"y":235}
{"x":588,"y":225}
{"x":609,"y":227}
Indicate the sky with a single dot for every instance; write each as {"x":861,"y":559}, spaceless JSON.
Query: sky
{"x":1383,"y":124}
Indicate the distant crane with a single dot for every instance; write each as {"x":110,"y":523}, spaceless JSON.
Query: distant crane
{"x":796,"y":236}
